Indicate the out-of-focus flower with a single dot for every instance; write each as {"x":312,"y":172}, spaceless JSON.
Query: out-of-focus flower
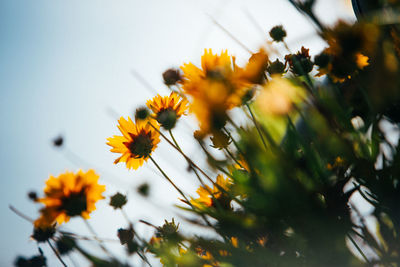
{"x":277,"y":33}
{"x":118,"y":200}
{"x":58,"y":141}
{"x":136,"y":143}
{"x":220,"y":140}
{"x":278,"y":97}
{"x":339,"y":162}
{"x":348,"y":39}
{"x":276,"y":67}
{"x":214,"y":88}
{"x":254,"y":71}
{"x":300,"y":63}
{"x":70,"y":194}
{"x":143,"y":189}
{"x":125,"y":235}
{"x":209,"y":196}
{"x":35,"y":261}
{"x":234,"y":242}
{"x":168,"y":109}
{"x":65,"y":244}
{"x":348,"y":47}
{"x":340,"y":68}
{"x":171,"y":76}
{"x":142,"y":113}
{"x":42,"y":234}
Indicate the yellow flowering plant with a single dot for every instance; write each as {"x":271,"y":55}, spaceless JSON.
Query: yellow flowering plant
{"x":282,"y":185}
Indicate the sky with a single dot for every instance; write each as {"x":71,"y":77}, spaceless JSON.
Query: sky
{"x":68,"y":67}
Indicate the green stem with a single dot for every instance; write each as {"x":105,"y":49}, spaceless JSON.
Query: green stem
{"x":57,"y":254}
{"x":234,"y":141}
{"x":358,"y":248}
{"x":257,"y":126}
{"x":100,"y":242}
{"x":173,"y":139}
{"x":168,"y":179}
{"x":126,"y":216}
{"x":194,"y":170}
{"x":233,"y":158}
{"x":181,"y":152}
{"x":177,"y":188}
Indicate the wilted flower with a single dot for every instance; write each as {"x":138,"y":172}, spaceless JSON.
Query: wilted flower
{"x":69,"y":195}
{"x":136,"y":143}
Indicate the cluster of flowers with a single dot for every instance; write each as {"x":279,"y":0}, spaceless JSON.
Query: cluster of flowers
{"x":281,"y":193}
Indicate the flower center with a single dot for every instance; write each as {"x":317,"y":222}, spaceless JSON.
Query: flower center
{"x":75,"y":203}
{"x":141,"y":145}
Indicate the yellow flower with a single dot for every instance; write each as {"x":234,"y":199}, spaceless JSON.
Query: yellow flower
{"x":358,"y":61}
{"x":69,"y":195}
{"x":279,"y":96}
{"x":234,"y":241}
{"x":168,"y":109}
{"x":208,"y":195}
{"x":254,"y":72}
{"x":361,"y":61}
{"x":136,"y":143}
{"x":215,"y":88}
{"x":348,"y":46}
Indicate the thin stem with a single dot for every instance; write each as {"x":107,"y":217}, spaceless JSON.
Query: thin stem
{"x":180,"y":151}
{"x":231,"y":35}
{"x":57,"y":254}
{"x":194,"y":169}
{"x":232,"y":157}
{"x":126,"y":216}
{"x":216,"y":165}
{"x":20,"y":214}
{"x":100,"y":242}
{"x":143,"y":257}
{"x":177,"y":188}
{"x":197,"y":167}
{"x":358,"y":248}
{"x":257,"y":126}
{"x":234,"y":141}
{"x":173,"y":139}
{"x":168,"y":179}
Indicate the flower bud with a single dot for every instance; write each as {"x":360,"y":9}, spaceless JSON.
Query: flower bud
{"x":118,"y":200}
{"x":276,"y":67}
{"x":171,"y":76}
{"x":277,"y":33}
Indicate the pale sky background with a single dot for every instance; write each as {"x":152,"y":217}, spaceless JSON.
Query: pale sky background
{"x":64,"y":65}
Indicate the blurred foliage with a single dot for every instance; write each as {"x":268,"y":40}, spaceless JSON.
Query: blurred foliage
{"x":318,"y":139}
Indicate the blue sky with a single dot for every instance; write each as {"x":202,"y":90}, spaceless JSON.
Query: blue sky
{"x":65,"y":64}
